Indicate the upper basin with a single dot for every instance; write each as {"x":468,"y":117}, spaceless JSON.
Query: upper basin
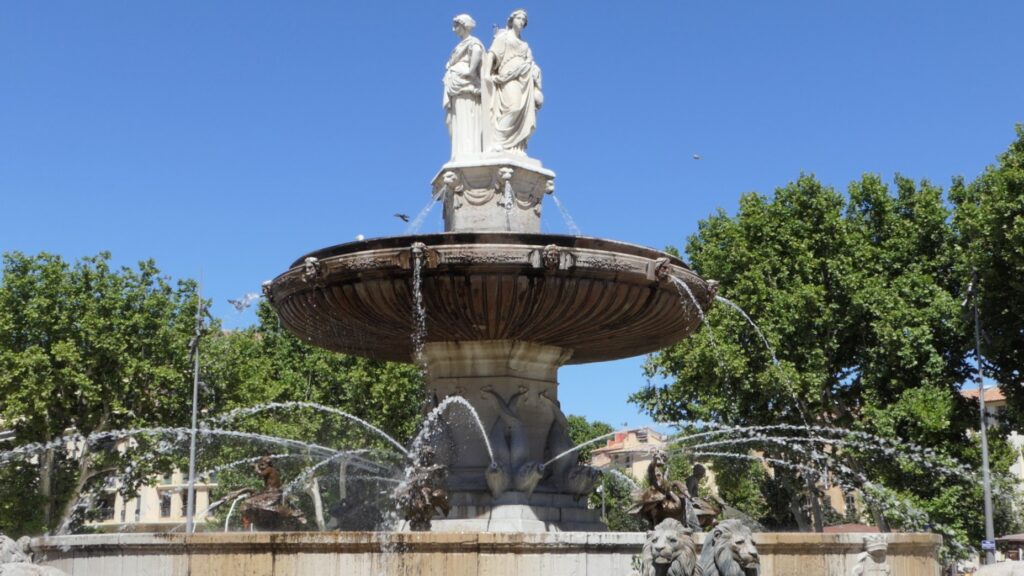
{"x":600,"y":299}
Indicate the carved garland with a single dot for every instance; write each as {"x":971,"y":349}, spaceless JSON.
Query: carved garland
{"x":460,"y":192}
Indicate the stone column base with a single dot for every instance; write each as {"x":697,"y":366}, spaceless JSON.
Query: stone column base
{"x":518,"y":512}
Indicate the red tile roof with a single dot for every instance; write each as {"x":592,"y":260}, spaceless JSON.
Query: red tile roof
{"x":992,"y":394}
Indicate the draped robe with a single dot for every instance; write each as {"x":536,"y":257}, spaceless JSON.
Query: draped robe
{"x":462,"y":100}
{"x":517,"y":92}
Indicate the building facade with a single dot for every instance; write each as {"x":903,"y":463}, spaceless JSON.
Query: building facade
{"x":630,"y":451}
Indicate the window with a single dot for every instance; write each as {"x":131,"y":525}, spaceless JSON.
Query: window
{"x":106,"y":507}
{"x":184,"y":505}
{"x":165,"y":504}
{"x":850,"y":499}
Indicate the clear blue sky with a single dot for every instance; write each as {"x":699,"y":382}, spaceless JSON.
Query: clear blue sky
{"x":232,"y":137}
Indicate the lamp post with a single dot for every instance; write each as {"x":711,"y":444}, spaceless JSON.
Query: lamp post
{"x":190,"y":510}
{"x":990,"y":556}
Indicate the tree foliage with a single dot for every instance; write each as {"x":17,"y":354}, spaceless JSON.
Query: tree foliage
{"x":989,"y":219}
{"x":582,"y":430}
{"x":86,"y":348}
{"x":858,"y":298}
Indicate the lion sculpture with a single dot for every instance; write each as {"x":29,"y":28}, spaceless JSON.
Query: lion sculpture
{"x":16,"y":559}
{"x":729,"y":551}
{"x":669,"y":551}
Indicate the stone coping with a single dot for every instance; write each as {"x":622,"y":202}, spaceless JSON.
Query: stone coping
{"x":340,"y":542}
{"x":768,"y":543}
{"x":499,"y":238}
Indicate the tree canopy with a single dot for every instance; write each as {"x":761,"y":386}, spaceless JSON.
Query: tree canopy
{"x":86,"y":348}
{"x":859,"y":299}
{"x":989,"y":218}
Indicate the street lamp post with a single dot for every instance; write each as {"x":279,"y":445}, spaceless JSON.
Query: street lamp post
{"x":190,"y":510}
{"x":990,"y":556}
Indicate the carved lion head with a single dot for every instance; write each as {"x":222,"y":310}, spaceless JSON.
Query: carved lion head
{"x":669,"y":544}
{"x":729,"y":551}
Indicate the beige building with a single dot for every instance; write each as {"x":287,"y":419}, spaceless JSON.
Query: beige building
{"x":995,"y":402}
{"x":157,"y":508}
{"x":630,"y":451}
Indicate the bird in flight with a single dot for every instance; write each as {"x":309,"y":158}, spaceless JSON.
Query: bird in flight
{"x":696,"y":157}
{"x":402,"y":217}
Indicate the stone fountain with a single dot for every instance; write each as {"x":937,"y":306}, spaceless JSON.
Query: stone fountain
{"x":491,"y":308}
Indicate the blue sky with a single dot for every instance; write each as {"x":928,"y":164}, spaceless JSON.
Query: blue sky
{"x":228,"y":138}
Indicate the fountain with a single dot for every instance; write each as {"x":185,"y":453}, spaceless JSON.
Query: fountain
{"x":490,"y":309}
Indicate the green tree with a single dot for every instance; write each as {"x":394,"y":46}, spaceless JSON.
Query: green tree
{"x":582,"y":430}
{"x":614,"y":497}
{"x":85,"y":348}
{"x":989,"y":219}
{"x":859,"y":297}
{"x":264,"y":364}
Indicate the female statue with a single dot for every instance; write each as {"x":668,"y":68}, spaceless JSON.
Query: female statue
{"x":462,"y":91}
{"x":517,"y":87}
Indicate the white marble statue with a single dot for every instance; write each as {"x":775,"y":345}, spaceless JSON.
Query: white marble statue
{"x":462,"y":91}
{"x":516,"y":93}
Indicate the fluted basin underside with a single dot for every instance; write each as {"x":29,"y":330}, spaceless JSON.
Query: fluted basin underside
{"x":600,"y":299}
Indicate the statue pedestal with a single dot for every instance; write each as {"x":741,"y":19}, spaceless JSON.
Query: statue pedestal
{"x":493,"y":193}
{"x":512,"y":386}
{"x":519,"y":512}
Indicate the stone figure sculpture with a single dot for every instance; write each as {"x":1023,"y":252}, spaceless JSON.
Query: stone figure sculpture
{"x":668,"y":551}
{"x":565,"y":474}
{"x":424,"y":492}
{"x":266,"y":509}
{"x":871,"y":562}
{"x":16,"y":559}
{"x":707,"y":512}
{"x":512,"y":467}
{"x":664,"y":499}
{"x":729,"y":551}
{"x":462,"y":91}
{"x":516,"y":93}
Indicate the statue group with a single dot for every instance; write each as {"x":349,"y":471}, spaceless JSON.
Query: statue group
{"x":491,"y":97}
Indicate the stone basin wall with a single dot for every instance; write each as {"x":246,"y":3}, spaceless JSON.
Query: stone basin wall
{"x":443,"y":554}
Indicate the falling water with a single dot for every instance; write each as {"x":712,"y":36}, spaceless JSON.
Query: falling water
{"x":632,"y":483}
{"x":569,"y":222}
{"x":417,"y":222}
{"x":181,"y":433}
{"x":684,"y":289}
{"x":231,"y":510}
{"x":218,"y":469}
{"x":855,"y":439}
{"x":757,"y":329}
{"x":249,"y":411}
{"x":873,"y":494}
{"x":419,"y":312}
{"x":587,"y":443}
{"x":771,"y":351}
{"x":310,"y":471}
{"x":434,"y":416}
